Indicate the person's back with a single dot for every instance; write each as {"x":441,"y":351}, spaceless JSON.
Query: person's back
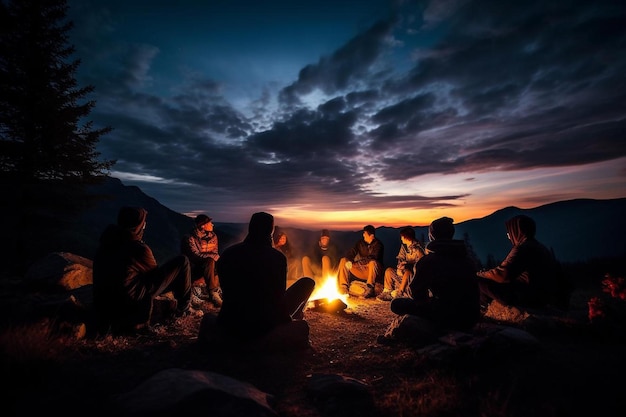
{"x":253,"y":280}
{"x":446,"y":277}
{"x":444,"y":288}
{"x":118,"y":262}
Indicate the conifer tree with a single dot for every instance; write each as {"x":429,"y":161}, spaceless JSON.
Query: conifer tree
{"x":43,"y":132}
{"x":47,"y":146}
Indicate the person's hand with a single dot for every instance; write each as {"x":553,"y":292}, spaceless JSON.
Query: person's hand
{"x":349,"y":265}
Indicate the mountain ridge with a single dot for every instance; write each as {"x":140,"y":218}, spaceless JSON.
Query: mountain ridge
{"x":577,"y":230}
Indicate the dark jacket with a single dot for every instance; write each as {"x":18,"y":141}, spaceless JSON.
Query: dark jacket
{"x":530,"y":268}
{"x":445,"y":285}
{"x":316,"y":252}
{"x":362,"y":252}
{"x":253,"y":277}
{"x":120,"y":294}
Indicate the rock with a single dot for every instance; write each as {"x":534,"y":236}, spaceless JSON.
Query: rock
{"x":340,"y":395}
{"x":174,"y":392}
{"x":60,"y":270}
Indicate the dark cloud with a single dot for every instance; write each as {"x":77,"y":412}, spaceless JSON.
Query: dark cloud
{"x":472,"y":87}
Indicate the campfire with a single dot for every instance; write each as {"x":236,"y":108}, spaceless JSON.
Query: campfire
{"x":326,"y":297}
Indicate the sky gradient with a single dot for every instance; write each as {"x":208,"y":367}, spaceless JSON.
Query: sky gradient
{"x":337,"y":114}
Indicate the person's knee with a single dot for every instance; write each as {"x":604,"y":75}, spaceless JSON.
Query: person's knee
{"x":182,"y":260}
{"x":308,"y":283}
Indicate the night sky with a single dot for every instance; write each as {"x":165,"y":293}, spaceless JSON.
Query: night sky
{"x":343,"y":113}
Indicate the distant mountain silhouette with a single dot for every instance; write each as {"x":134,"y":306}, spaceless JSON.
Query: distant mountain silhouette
{"x":576,"y":230}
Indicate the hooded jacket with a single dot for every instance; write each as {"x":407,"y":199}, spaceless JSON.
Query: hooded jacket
{"x":120,"y":260}
{"x":445,"y":284}
{"x":253,"y":278}
{"x":529,"y":267}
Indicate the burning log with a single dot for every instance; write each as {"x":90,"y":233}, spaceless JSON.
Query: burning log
{"x":324,"y":304}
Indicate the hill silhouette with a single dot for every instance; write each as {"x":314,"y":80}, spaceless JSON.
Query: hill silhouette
{"x":577,"y":230}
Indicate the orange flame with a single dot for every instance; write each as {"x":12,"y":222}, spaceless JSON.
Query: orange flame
{"x":328,"y":289}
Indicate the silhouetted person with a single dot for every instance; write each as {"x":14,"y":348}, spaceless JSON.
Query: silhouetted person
{"x":256,"y":301}
{"x":126,"y":277}
{"x":529,"y":276}
{"x":443,"y":290}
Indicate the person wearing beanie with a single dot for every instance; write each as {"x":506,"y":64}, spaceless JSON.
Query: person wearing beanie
{"x":397,"y":279}
{"x":442,"y":228}
{"x":321,"y":260}
{"x":363,"y":262}
{"x":529,"y":276}
{"x":443,"y":292}
{"x":201,"y":247}
{"x":127,"y":278}
{"x":258,"y":310}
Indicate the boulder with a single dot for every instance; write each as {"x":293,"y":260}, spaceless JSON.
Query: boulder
{"x":61,"y":271}
{"x":177,"y":392}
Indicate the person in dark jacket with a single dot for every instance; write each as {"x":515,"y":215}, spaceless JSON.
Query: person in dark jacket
{"x":256,"y":300}
{"x":126,"y":277}
{"x":443,"y":290}
{"x":201,"y":248}
{"x":363,"y":262}
{"x":529,"y":276}
{"x":322,"y":258}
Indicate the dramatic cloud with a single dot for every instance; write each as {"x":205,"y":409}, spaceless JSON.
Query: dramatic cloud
{"x":411,"y":107}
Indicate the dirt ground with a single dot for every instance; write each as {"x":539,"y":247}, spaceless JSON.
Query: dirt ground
{"x":577,"y":371}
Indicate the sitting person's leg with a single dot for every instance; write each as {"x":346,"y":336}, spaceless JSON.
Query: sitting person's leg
{"x":297,"y":295}
{"x":175,"y":276}
{"x":491,"y":290}
{"x":374,"y":271}
{"x":343,"y":276}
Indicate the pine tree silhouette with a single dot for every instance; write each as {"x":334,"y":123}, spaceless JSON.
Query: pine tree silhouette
{"x":42,"y":133}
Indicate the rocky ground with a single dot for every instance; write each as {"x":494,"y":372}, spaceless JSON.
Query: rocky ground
{"x":575,"y":369}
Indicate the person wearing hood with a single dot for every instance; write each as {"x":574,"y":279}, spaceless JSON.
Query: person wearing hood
{"x":443,"y":291}
{"x":529,"y":276}
{"x":201,"y":248}
{"x":257,"y":307}
{"x":126,"y":276}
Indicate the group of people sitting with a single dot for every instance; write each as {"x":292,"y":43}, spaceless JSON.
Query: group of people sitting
{"x":438,"y":282}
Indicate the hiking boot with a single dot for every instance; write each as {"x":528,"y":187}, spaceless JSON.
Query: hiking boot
{"x":215,"y":296}
{"x":185,"y":310}
{"x":200,"y":291}
{"x":386,"y":341}
{"x":196,"y":302}
{"x":385,"y":296}
{"x":370,"y":292}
